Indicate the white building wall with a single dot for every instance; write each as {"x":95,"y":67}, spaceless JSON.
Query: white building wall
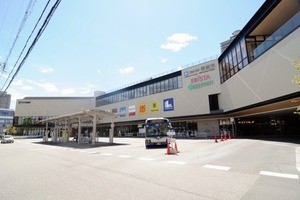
{"x":268,"y":77}
{"x":192,"y":99}
{"x":52,"y":106}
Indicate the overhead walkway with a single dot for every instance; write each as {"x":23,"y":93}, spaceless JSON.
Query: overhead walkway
{"x":84,"y":116}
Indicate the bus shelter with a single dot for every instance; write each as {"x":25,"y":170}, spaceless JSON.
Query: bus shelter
{"x":85,"y":116}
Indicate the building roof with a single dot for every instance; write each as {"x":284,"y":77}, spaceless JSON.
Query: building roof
{"x":84,"y":116}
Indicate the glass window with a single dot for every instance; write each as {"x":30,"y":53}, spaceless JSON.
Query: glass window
{"x":179,"y":82}
{"x":238,"y":53}
{"x":243,"y":49}
{"x":158,"y":87}
{"x":166,"y":84}
{"x":171,"y":85}
{"x":151,"y":87}
{"x":175,"y":82}
{"x":234,"y":59}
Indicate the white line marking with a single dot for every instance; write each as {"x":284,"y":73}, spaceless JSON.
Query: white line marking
{"x":217,"y":167}
{"x":292,"y":176}
{"x":124,"y":156}
{"x":106,"y":154}
{"x":176,"y":162}
{"x":147,"y":159}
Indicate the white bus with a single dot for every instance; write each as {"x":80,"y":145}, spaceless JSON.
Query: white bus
{"x":157,"y":131}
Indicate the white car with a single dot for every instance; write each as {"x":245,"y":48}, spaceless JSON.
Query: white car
{"x":7,"y":139}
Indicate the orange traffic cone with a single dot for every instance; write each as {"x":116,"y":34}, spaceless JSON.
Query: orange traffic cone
{"x":168,"y":149}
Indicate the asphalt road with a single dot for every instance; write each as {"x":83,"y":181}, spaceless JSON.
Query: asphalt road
{"x":233,"y":169}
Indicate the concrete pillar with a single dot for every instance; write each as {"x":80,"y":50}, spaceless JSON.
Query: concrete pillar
{"x":94,"y":129}
{"x":79,"y":130}
{"x":111,"y":132}
{"x":46,"y":132}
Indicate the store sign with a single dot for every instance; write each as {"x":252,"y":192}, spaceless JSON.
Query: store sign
{"x":200,"y":81}
{"x":122,"y":112}
{"x":142,"y":109}
{"x":24,"y":102}
{"x":198,"y":70}
{"x":154,"y":107}
{"x":131,"y":110}
{"x":114,"y":110}
{"x":168,"y":104}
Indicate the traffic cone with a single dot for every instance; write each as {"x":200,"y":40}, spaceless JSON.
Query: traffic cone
{"x":168,"y":149}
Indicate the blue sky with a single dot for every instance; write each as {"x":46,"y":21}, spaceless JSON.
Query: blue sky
{"x":99,"y":45}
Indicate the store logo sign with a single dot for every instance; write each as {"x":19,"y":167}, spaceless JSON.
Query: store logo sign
{"x":131,"y":110}
{"x":142,"y":109}
{"x":154,"y":106}
{"x":122,"y":111}
{"x":168,"y":104}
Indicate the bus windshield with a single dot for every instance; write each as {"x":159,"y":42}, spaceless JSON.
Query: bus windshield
{"x":157,"y":127}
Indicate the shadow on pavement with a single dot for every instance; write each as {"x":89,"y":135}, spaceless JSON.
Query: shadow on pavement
{"x":75,"y":145}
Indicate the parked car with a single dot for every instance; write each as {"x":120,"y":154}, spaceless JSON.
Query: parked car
{"x":7,"y":139}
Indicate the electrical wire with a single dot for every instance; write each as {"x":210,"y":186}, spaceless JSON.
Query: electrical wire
{"x":22,"y":25}
{"x":26,"y":43}
{"x":40,"y":32}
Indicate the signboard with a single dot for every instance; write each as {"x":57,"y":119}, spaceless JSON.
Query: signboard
{"x":131,"y":110}
{"x":142,"y":109}
{"x":154,"y":107}
{"x":122,"y":112}
{"x":168,"y":104}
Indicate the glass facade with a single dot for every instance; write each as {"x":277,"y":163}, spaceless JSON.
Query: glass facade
{"x":233,"y":61}
{"x":141,"y":91}
{"x":251,"y":47}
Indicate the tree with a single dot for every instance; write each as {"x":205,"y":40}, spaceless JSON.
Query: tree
{"x":296,"y":81}
{"x":11,"y":130}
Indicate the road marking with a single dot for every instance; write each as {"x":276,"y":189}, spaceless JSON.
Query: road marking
{"x":147,"y":159}
{"x":266,"y":173}
{"x":224,"y":168}
{"x":176,"y":162}
{"x":106,"y":154}
{"x":124,"y":156}
{"x":297,"y":150}
{"x":93,"y":152}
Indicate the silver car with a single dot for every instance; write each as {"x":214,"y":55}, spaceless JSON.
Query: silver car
{"x":7,"y":139}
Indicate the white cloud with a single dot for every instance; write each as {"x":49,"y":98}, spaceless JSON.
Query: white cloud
{"x":46,"y":69}
{"x":163,"y":60}
{"x":178,"y":41}
{"x":50,"y":87}
{"x":126,"y":70}
{"x":67,"y":91}
{"x":98,"y":71}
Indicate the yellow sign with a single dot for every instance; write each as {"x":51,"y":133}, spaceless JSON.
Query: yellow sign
{"x":154,"y":106}
{"x":142,"y":109}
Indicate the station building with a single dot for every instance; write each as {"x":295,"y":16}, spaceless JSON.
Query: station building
{"x":246,"y":91}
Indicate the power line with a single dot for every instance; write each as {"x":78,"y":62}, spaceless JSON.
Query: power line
{"x":26,"y":15}
{"x":41,"y":30}
{"x":46,"y":6}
